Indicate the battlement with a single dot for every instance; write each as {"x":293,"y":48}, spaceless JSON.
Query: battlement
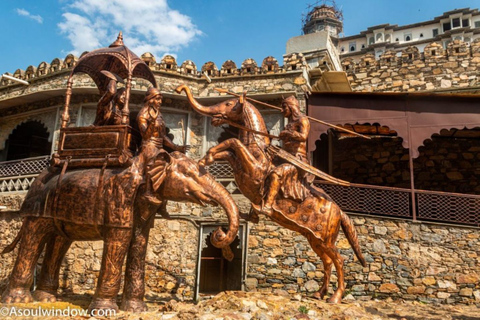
{"x":168,"y":64}
{"x":410,"y":70}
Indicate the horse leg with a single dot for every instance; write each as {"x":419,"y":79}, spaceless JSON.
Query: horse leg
{"x":48,"y":283}
{"x":35,"y":232}
{"x":116,"y":243}
{"x":327,"y":271}
{"x":337,"y":259}
{"x":249,"y":162}
{"x":134,"y":287}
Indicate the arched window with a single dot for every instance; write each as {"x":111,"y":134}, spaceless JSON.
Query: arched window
{"x":371,"y":40}
{"x":30,"y":139}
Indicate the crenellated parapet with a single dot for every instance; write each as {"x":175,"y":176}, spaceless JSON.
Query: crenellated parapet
{"x":168,"y":64}
{"x":249,"y":66}
{"x":210,"y":69}
{"x":270,"y":65}
{"x":293,"y":61}
{"x":409,"y":70}
{"x":150,"y":60}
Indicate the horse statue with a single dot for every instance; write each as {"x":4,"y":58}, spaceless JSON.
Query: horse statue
{"x":250,"y":155}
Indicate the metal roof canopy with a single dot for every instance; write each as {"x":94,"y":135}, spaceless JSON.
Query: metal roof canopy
{"x":414,"y":116}
{"x":116,"y":58}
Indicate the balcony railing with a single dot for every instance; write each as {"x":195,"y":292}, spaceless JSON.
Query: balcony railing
{"x":18,"y":175}
{"x":437,"y":206}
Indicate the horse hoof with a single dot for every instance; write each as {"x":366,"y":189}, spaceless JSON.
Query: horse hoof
{"x":44,"y":296}
{"x":317,"y":295}
{"x":335,"y":299}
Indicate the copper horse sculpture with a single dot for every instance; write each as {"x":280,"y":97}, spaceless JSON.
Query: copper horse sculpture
{"x":317,"y":218}
{"x":120,"y":215}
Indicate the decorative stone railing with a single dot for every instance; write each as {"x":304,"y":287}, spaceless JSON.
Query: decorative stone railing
{"x":18,"y":175}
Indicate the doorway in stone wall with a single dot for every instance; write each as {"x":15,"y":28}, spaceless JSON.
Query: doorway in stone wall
{"x":214,"y":273}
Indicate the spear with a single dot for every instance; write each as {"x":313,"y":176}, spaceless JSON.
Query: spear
{"x":278,"y":108}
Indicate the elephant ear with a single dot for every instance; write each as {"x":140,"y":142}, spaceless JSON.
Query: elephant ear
{"x":157,"y":171}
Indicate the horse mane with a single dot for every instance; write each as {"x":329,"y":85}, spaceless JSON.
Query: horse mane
{"x":250,"y":113}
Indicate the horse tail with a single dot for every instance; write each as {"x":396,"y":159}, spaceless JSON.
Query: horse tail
{"x":15,"y":241}
{"x":351,"y":234}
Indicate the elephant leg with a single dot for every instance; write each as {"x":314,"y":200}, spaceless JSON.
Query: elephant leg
{"x":115,"y":248}
{"x":134,"y":287}
{"x":35,"y":232}
{"x":48,"y":283}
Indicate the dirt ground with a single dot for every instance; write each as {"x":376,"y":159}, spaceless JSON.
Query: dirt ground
{"x":250,"y":305}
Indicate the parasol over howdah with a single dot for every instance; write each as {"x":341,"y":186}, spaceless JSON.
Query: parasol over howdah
{"x":118,"y":60}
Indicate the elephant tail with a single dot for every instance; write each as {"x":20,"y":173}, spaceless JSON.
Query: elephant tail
{"x":17,"y":239}
{"x":351,"y":235}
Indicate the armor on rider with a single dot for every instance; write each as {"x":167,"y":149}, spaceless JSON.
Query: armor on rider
{"x":285,"y":177}
{"x":112,"y":102}
{"x":154,"y":138}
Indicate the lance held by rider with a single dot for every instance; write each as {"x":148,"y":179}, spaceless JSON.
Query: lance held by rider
{"x":280,"y":109}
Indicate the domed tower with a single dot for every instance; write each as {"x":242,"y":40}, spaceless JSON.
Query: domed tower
{"x":326,"y":16}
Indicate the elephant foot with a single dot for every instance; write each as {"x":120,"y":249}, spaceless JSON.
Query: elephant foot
{"x":17,"y":295}
{"x":134,"y":305}
{"x":336,"y":298}
{"x":44,"y":296}
{"x":102,"y":304}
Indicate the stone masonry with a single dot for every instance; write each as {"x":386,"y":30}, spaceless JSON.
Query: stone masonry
{"x":413,"y":71}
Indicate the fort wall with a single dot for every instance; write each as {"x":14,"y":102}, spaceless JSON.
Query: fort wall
{"x":408,"y":260}
{"x":434,"y":69}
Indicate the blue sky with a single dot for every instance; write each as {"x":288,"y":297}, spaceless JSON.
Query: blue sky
{"x":197,"y":30}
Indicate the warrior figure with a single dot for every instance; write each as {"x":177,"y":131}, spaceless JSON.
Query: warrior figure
{"x":286,"y":177}
{"x":111,"y":104}
{"x":154,"y":136}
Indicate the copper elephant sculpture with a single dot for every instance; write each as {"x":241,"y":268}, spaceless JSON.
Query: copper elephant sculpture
{"x":316,"y":217}
{"x":96,"y":204}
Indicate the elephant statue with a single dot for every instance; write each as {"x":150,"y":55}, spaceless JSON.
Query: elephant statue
{"x":108,"y":204}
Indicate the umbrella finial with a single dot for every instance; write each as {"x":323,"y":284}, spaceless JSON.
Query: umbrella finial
{"x":119,"y":41}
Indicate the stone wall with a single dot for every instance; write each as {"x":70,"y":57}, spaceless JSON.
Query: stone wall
{"x":444,"y":163}
{"x":410,"y":70}
{"x":408,"y":260}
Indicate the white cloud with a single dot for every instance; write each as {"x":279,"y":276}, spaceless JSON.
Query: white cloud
{"x":25,"y":13}
{"x":147,"y":25}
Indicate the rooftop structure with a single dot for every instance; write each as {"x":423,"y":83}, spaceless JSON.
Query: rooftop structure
{"x":326,"y":17}
{"x":459,"y":24}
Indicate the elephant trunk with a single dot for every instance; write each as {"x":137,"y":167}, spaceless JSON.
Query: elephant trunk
{"x":219,"y":238}
{"x":206,"y":111}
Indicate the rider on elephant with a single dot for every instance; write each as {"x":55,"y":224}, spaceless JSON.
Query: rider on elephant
{"x":111,"y":104}
{"x":285,"y":176}
{"x":154,"y":138}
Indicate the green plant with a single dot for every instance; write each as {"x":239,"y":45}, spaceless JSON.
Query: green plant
{"x":303,"y":309}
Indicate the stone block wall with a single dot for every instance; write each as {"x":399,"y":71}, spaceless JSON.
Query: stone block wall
{"x":444,"y":163}
{"x":410,"y":71}
{"x":450,"y":165}
{"x":408,"y":260}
